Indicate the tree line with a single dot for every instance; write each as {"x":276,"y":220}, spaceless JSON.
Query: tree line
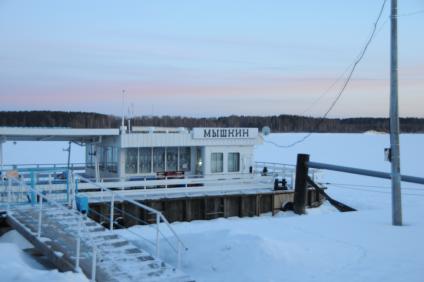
{"x":280,"y":123}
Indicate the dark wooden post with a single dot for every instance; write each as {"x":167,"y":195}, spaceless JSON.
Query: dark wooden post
{"x":300,"y":192}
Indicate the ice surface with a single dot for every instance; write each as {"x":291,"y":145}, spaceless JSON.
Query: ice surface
{"x":323,"y":245}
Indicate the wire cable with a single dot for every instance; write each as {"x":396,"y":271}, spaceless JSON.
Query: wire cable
{"x":374,"y":191}
{"x":411,"y":13}
{"x":327,"y":90}
{"x":345,"y":84}
{"x":371,"y":186}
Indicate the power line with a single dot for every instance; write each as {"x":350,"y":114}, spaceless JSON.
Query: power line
{"x":411,"y":13}
{"x":371,"y":186}
{"x":327,"y":90}
{"x":374,"y":191}
{"x":346,"y":83}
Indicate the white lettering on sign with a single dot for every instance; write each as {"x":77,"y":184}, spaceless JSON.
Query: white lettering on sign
{"x":224,"y":133}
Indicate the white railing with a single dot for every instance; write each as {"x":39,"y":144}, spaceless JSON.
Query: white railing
{"x":41,"y":166}
{"x":283,"y":170}
{"x":114,"y":197}
{"x":42,"y":200}
{"x":59,"y":189}
{"x":52,"y":182}
{"x":55,"y":182}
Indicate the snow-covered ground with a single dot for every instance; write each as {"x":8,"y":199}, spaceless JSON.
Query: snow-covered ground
{"x":323,"y":245}
{"x":17,"y":265}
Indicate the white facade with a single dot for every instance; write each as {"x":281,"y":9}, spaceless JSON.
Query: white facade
{"x":157,"y":152}
{"x":245,"y":158}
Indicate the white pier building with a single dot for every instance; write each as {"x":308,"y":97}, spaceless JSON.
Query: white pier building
{"x":151,"y":157}
{"x":144,"y":176}
{"x":173,"y":152}
{"x":147,"y":162}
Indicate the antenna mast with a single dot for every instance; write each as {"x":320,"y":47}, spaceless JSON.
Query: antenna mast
{"x":123,"y":108}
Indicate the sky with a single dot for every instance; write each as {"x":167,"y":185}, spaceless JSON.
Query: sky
{"x":207,"y":58}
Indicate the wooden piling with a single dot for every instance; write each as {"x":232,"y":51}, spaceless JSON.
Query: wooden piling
{"x":300,"y":192}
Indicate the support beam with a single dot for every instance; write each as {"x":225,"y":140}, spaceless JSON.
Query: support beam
{"x":1,"y":155}
{"x":300,"y":192}
{"x":338,"y":205}
{"x":365,"y":172}
{"x":188,"y":213}
{"x":96,"y":164}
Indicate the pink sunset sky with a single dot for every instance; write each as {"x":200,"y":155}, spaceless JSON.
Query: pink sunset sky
{"x":206,"y":59}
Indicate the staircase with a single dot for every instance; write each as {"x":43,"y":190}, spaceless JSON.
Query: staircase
{"x":116,"y":259}
{"x":72,"y":241}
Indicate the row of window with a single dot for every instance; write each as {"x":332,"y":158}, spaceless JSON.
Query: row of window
{"x":217,"y":162}
{"x":142,"y":160}
{"x":107,"y":157}
{"x":152,"y":160}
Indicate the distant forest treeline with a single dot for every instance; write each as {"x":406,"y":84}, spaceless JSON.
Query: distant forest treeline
{"x":281,"y":123}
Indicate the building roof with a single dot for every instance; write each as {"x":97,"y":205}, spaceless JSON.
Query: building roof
{"x":54,"y":134}
{"x":141,"y":137}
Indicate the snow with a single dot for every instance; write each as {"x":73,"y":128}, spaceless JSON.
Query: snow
{"x":16,"y":265}
{"x":324,"y":245}
{"x":14,"y":237}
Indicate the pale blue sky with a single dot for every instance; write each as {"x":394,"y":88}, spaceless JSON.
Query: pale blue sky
{"x":205,"y":58}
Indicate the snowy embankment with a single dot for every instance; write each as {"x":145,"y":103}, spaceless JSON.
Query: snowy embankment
{"x":324,"y":245}
{"x":17,"y":265}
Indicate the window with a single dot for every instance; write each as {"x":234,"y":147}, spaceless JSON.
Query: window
{"x":112,"y":159}
{"x":158,"y":159}
{"x":99,"y":155}
{"x":199,"y":161}
{"x":233,"y":162}
{"x":171,"y":158}
{"x":105,"y":156}
{"x":90,"y":156}
{"x":145,"y":157}
{"x":131,"y":161}
{"x":185,"y":159}
{"x":217,"y":162}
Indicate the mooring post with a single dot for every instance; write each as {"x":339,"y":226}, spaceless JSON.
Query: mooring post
{"x":300,"y":192}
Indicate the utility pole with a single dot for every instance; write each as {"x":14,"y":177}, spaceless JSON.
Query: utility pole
{"x":394,"y":120}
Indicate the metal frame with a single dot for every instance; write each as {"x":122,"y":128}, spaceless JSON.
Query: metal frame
{"x":40,"y":199}
{"x":160,"y":218}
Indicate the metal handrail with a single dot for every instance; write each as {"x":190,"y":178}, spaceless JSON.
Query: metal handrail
{"x":273,"y":163}
{"x":191,"y":176}
{"x":44,"y":164}
{"x":159,"y":216}
{"x":167,"y":181}
{"x":73,"y":212}
{"x":40,"y":167}
{"x":163,"y":185}
{"x":284,"y":167}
